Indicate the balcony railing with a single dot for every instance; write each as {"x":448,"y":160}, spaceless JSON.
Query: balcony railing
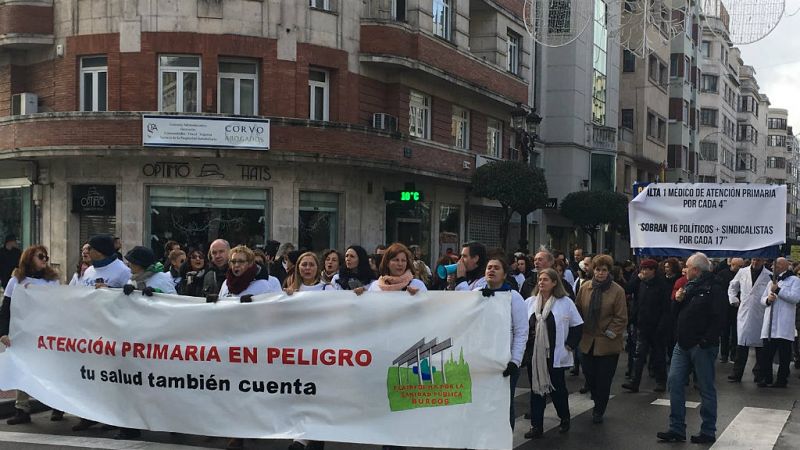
{"x":604,"y":138}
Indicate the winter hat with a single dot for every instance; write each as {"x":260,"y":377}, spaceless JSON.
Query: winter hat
{"x":103,"y":243}
{"x":648,"y":264}
{"x":141,"y":256}
{"x":10,"y":238}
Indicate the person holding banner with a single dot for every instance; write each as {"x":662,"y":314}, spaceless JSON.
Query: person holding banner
{"x":749,"y":285}
{"x":307,"y":276}
{"x":495,"y":279}
{"x":84,"y":263}
{"x":602,"y":305}
{"x":555,"y":329}
{"x":33,"y":269}
{"x":395,"y":272}
{"x":243,"y":276}
{"x":106,"y":270}
{"x":147,"y":274}
{"x":781,"y":300}
{"x":356,"y":274}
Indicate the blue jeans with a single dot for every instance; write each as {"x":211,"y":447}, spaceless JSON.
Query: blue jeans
{"x":702,"y":360}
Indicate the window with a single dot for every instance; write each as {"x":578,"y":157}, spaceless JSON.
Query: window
{"x":399,"y":10}
{"x":708,"y":151}
{"x":441,"y":18}
{"x":708,"y":83}
{"x":600,"y":54}
{"x":238,"y":88}
{"x":776,"y":124}
{"x":179,"y":84}
{"x":513,"y":41}
{"x":460,"y":127}
{"x":419,"y":115}
{"x":494,"y":138}
{"x":747,"y":134}
{"x":318,"y":94}
{"x":627,"y":119}
{"x":685,"y":117}
{"x":559,"y":16}
{"x":603,"y":172}
{"x":774,"y":162}
{"x":728,"y":159}
{"x":318,"y":221}
{"x":657,"y":71}
{"x":94,"y":80}
{"x":628,"y":61}
{"x":705,"y":49}
{"x":708,"y":117}
{"x":708,"y":179}
{"x":320,"y":4}
{"x":675,"y":69}
{"x":656,"y":127}
{"x":776,"y":141}
{"x":675,"y":159}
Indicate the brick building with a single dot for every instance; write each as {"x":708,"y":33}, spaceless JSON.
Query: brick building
{"x":365,"y":101}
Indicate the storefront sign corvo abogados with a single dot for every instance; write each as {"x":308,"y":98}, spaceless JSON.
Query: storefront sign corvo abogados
{"x":94,"y":198}
{"x":211,"y":171}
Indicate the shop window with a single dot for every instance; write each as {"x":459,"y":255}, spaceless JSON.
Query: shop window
{"x":238,"y":88}
{"x":318,"y":225}
{"x":15,"y":213}
{"x":94,"y":82}
{"x":179,"y":84}
{"x":195,"y":216}
{"x":318,"y":97}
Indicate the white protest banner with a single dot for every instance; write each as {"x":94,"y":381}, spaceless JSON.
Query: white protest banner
{"x":380,"y":368}
{"x":712,"y":218}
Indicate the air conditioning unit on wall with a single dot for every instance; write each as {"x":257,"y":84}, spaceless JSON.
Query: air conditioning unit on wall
{"x":24,"y":103}
{"x":383,"y":121}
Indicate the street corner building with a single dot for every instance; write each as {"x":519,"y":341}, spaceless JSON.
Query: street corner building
{"x":321,"y":122}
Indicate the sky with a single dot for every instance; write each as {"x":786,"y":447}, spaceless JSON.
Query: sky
{"x":776,"y":59}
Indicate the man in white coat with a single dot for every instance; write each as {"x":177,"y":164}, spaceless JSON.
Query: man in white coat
{"x":780,"y":300}
{"x":746,"y":290}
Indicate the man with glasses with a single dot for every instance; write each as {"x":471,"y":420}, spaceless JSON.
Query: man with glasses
{"x":700,"y":309}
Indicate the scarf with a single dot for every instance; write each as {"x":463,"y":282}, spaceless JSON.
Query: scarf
{"x":692,"y":286}
{"x":327,"y":279}
{"x":104,"y":262}
{"x":238,"y":284}
{"x":596,"y":302}
{"x":140,"y":279}
{"x":540,"y":379}
{"x":345,"y":275}
{"x":390,"y":283}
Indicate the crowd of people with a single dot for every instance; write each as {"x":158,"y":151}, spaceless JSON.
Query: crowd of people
{"x":673,"y":317}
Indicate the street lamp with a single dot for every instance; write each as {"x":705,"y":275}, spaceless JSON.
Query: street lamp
{"x":526,"y":126}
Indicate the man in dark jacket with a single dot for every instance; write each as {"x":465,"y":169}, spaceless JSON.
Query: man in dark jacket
{"x":700,"y":312}
{"x":652,"y":312}
{"x":218,"y":268}
{"x":542,"y":260}
{"x":9,"y":258}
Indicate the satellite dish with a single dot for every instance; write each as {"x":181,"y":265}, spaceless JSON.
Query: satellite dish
{"x":745,"y":21}
{"x":555,"y":23}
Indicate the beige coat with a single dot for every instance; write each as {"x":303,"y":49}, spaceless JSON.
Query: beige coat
{"x":613,"y":316}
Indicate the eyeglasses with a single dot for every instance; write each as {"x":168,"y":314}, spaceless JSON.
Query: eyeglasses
{"x":43,"y":257}
{"x":235,"y":262}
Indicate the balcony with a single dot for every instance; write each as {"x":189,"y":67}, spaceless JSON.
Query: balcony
{"x":26,"y":25}
{"x":395,"y":45}
{"x":604,"y":138}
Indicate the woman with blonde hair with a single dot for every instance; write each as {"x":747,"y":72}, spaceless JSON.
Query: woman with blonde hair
{"x":241,"y":279}
{"x":33,"y":269}
{"x":306,"y":275}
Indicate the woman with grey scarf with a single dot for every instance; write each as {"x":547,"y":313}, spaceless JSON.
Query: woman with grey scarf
{"x":555,"y":330}
{"x":605,"y":314}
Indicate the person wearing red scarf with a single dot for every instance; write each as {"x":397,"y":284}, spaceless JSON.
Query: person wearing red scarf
{"x":242,"y":278}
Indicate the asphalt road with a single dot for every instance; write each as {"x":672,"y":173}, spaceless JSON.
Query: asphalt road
{"x":748,"y":418}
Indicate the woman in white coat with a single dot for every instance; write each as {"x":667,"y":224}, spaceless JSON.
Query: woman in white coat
{"x":746,"y":290}
{"x":556,"y":328}
{"x":780,"y":299}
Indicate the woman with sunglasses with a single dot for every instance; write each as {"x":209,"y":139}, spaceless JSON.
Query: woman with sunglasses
{"x":192,"y":273}
{"x":33,"y":269}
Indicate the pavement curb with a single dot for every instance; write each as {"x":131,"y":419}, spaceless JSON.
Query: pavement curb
{"x":790,"y":434}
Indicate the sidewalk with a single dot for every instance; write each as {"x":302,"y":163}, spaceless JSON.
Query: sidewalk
{"x":7,"y":403}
